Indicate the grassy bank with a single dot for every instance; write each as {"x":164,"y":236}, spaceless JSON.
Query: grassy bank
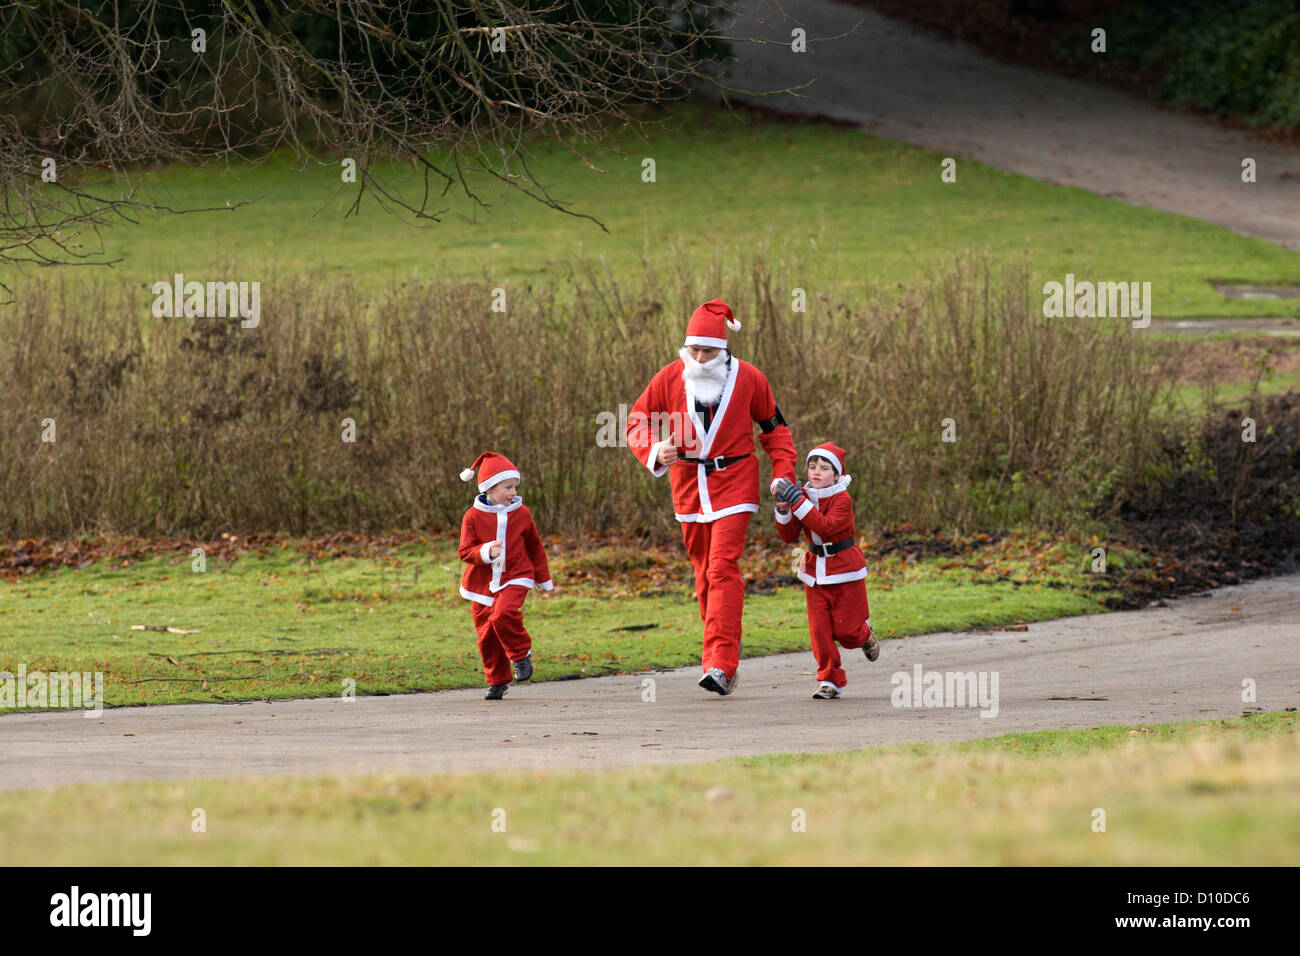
{"x":286,"y":624}
{"x":1194,"y":794}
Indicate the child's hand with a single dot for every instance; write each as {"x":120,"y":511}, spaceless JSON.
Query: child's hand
{"x":494,"y":552}
{"x":783,"y":508}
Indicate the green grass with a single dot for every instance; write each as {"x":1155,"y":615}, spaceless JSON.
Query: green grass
{"x":1201,"y":793}
{"x":284,"y":626}
{"x":723,"y":184}
{"x":1193,"y":398}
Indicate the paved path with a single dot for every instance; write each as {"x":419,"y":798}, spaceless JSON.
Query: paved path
{"x":1180,"y":662}
{"x":902,"y":84}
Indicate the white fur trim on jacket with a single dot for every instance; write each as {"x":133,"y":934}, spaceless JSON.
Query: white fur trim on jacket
{"x":707,"y":516}
{"x":652,"y":462}
{"x":477,"y":598}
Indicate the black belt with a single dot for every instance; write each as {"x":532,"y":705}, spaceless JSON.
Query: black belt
{"x":826,"y":550}
{"x":714,"y":464}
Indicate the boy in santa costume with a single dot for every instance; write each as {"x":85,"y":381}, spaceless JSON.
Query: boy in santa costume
{"x":709,"y":401}
{"x":833,"y":570}
{"x":506,"y":559}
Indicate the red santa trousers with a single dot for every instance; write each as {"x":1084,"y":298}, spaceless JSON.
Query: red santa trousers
{"x":501,"y":634}
{"x":715,"y":548}
{"x":836,"y":612}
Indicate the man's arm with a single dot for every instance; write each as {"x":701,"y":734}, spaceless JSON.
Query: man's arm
{"x":775,"y":437}
{"x":645,"y":445}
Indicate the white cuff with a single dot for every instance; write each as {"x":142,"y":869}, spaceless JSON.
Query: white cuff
{"x":783,"y":518}
{"x":652,"y":462}
{"x":805,"y":507}
{"x":772,"y":486}
{"x":547,"y":585}
{"x":483,"y":552}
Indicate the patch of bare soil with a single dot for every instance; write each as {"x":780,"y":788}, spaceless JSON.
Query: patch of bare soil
{"x":1228,"y":511}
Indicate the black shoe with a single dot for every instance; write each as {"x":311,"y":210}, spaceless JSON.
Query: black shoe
{"x":716,"y":681}
{"x":496,"y":691}
{"x":523,"y":669}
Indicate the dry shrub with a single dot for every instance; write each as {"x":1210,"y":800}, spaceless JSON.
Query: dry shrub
{"x":196,"y":426}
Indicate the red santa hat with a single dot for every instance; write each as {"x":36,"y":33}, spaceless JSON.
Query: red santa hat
{"x":492,"y":470}
{"x":709,"y":324}
{"x":832,"y":453}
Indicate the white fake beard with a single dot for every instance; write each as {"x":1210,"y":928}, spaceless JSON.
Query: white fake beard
{"x":706,"y":379}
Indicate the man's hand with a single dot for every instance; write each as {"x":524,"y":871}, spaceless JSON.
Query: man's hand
{"x":667,"y":455}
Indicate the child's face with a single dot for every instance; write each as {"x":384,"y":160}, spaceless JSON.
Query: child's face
{"x":820,"y":473}
{"x":502,"y":493}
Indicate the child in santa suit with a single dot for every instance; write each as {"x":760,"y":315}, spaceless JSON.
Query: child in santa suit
{"x":506,"y":559}
{"x":833,"y":570}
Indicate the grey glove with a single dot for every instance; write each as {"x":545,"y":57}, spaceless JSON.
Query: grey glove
{"x":788,"y":491}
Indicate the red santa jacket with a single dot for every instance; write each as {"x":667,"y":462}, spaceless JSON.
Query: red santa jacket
{"x":522,"y":560}
{"x":700,"y":495}
{"x":825,"y":516}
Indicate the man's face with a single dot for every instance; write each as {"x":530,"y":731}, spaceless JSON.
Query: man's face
{"x":702,"y":353}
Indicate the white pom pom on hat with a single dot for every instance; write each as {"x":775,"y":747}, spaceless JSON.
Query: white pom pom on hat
{"x":467,"y":474}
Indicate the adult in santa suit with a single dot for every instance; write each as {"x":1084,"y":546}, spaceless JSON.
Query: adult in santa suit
{"x":709,"y":401}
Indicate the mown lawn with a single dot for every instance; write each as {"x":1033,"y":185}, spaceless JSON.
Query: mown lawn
{"x":1205,"y":793}
{"x":873,"y":210}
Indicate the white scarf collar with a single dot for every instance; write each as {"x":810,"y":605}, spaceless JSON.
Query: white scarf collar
{"x":481,"y":503}
{"x":816,"y":494}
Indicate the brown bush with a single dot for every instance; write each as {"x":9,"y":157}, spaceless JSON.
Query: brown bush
{"x":198,"y":426}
